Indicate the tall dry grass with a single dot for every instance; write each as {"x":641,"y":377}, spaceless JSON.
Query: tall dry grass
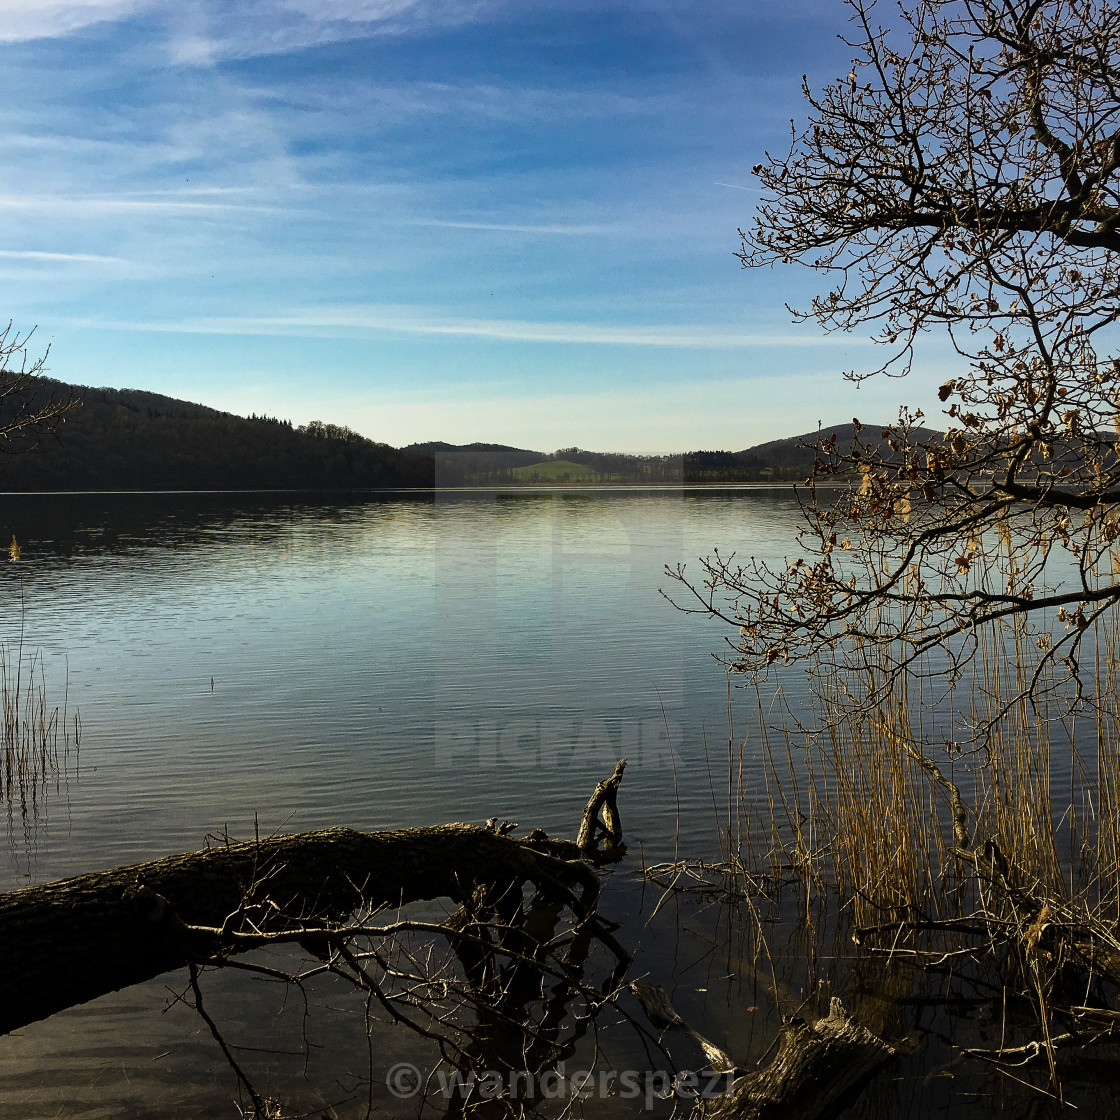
{"x":863,"y":797}
{"x":960,"y":831}
{"x":870,"y":789}
{"x":38,"y":739}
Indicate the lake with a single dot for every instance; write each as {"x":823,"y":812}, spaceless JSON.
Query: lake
{"x":377,"y":663}
{"x":256,"y":663}
{"x":279,"y":663}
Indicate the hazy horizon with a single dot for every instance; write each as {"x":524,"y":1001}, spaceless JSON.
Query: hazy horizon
{"x":506,"y":444}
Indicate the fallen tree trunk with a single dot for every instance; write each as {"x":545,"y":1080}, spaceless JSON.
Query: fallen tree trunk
{"x":71,"y":941}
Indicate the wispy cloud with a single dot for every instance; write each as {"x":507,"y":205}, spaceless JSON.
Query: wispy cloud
{"x":92,"y":204}
{"x":40,"y":255}
{"x":329,"y":321}
{"x":474,"y":100}
{"x":204,"y":31}
{"x":207,"y":32}
{"x":39,"y":19}
{"x":512,"y":227}
{"x":424,"y":12}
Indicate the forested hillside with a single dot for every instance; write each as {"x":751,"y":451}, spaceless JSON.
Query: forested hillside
{"x":786,"y":460}
{"x":783,"y":460}
{"x":127,"y":439}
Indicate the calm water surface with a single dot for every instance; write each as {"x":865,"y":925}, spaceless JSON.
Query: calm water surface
{"x":252,"y":662}
{"x":373,"y":663}
{"x":258,"y":662}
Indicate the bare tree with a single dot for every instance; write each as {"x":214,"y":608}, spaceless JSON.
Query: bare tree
{"x":28,"y":409}
{"x":963,"y":175}
{"x":961,"y":178}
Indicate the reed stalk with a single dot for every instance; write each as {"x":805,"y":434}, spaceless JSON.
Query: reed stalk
{"x":37,"y":739}
{"x":974,"y":820}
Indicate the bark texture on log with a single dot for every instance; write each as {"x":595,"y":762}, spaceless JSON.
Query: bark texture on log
{"x":604,"y":800}
{"x":71,"y":941}
{"x":817,"y":1065}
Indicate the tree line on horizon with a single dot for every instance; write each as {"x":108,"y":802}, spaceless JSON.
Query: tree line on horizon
{"x":129,"y":439}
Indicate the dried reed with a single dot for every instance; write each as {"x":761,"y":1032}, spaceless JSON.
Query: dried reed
{"x":37,"y":740}
{"x":976,"y":820}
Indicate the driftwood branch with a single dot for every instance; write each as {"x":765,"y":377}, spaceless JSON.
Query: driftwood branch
{"x":605,"y":801}
{"x":661,"y":1013}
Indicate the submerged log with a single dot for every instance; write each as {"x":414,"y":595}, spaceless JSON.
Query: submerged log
{"x":71,"y":941}
{"x":817,"y":1067}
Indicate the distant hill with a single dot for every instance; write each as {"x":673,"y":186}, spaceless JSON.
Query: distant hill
{"x":129,"y":439}
{"x":787,"y":460}
{"x":492,"y":452}
{"x":782,"y":460}
{"x":558,"y":470}
{"x":473,"y":464}
{"x":793,"y":450}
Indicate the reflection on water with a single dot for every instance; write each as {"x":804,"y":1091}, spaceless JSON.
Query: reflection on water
{"x":252,"y":662}
{"x":245,"y":662}
{"x":372,"y":663}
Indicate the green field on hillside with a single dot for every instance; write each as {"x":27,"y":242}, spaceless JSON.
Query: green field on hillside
{"x":559,"y":470}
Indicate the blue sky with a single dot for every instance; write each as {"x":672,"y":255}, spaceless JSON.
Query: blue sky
{"x":500,"y":220}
